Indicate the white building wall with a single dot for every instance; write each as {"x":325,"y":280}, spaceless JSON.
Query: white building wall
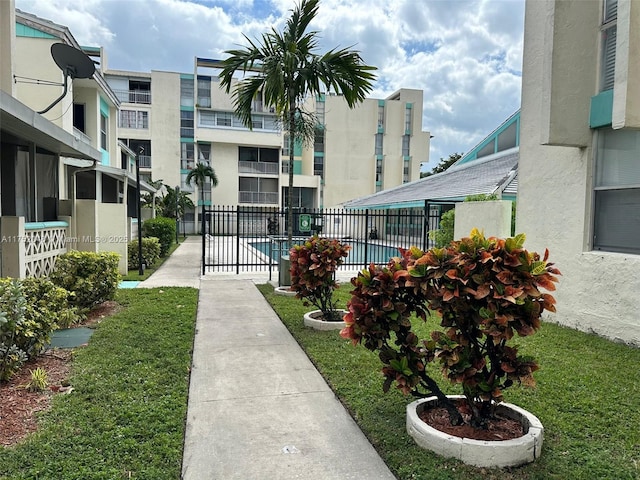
{"x":598,"y":291}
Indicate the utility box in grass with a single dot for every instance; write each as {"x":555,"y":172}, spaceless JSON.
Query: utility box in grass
{"x":284,"y":275}
{"x":492,"y":217}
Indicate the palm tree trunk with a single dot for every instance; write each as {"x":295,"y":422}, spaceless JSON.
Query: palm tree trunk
{"x":292,"y":128}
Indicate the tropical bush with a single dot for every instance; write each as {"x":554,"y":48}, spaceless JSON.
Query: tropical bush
{"x":91,"y":278}
{"x":313,"y":266}
{"x":485,"y":291}
{"x":30,"y":310}
{"x":150,"y":252}
{"x":164,"y":229}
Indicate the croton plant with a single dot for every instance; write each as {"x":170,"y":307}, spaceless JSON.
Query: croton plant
{"x":484,"y":290}
{"x":313,"y":267}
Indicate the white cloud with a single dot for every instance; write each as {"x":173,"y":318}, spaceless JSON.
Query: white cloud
{"x":465,"y":54}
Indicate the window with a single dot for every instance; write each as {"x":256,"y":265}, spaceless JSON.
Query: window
{"x":318,"y":166}
{"x":381,"y":116}
{"x":186,"y":92}
{"x":223,"y":119}
{"x":133,"y":119}
{"x":609,"y":34}
{"x":318,"y":141}
{"x":379,"y":143}
{"x":187,"y":159}
{"x":406,"y":172}
{"x":104,"y":122}
{"x":186,"y":124}
{"x":617,"y":191}
{"x":79,"y":117}
{"x":139,"y":91}
{"x":379,"y":170}
{"x":407,"y":119}
{"x":204,"y":153}
{"x":406,"y":142}
{"x":204,"y":91}
{"x":320,"y":111}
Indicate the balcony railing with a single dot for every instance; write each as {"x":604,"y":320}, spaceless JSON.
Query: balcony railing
{"x":269,"y":168}
{"x":134,"y":96}
{"x":269,"y":198}
{"x":144,"y":161}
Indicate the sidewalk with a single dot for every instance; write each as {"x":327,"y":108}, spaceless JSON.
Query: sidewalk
{"x":258,"y":409}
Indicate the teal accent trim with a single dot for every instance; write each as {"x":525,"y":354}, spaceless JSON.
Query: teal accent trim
{"x":380,"y":129}
{"x":86,"y":49}
{"x":186,"y":76}
{"x":321,"y":98}
{"x":601,"y":111}
{"x":297,"y":147}
{"x":318,"y":154}
{"x":493,"y":138}
{"x":39,"y":225}
{"x":26,"y":31}
{"x":409,"y":106}
{"x":184,"y":171}
{"x":381,"y":103}
{"x":379,"y":157}
{"x":203,"y":142}
{"x":186,"y":140}
{"x":105,"y":157}
{"x":204,"y":202}
{"x":406,"y":158}
{"x":104,"y":107}
{"x":297,"y":167}
{"x":186,"y":108}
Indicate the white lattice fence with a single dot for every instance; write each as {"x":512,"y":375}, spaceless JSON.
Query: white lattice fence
{"x":42,"y":248}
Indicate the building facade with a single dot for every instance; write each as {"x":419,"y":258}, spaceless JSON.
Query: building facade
{"x":70,"y":201}
{"x":579,"y":168}
{"x":185,"y":118}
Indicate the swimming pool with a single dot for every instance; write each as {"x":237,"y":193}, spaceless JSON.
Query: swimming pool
{"x":375,"y":253}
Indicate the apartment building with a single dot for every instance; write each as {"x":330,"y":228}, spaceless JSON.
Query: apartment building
{"x":579,"y":167}
{"x":181,"y":119}
{"x":60,"y":199}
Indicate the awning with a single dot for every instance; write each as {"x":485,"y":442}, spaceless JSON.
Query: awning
{"x":20,"y":124}
{"x":117,"y":173}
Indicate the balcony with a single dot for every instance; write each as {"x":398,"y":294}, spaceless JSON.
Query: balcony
{"x":83,"y":137}
{"x":134,"y":96}
{"x":269,"y":168}
{"x":269,"y":198}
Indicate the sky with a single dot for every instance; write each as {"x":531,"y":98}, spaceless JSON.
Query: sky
{"x":466,"y":55}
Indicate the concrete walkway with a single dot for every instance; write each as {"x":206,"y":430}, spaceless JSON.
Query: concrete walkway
{"x":258,"y":409}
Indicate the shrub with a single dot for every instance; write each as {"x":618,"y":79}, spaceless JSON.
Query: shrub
{"x":150,"y":252}
{"x":313,"y":266}
{"x":39,"y":380}
{"x":484,"y":290}
{"x":91,"y":278}
{"x":12,"y":314}
{"x":164,"y":229}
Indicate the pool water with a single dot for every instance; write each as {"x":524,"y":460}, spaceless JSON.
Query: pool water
{"x":379,"y":254}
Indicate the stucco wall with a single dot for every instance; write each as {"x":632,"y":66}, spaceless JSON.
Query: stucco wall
{"x":598,"y":291}
{"x":493,"y":218}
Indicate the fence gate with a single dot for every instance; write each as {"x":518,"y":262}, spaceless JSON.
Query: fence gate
{"x":243,"y":239}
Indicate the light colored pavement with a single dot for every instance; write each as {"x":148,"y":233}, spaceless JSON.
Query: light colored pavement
{"x":258,"y":409}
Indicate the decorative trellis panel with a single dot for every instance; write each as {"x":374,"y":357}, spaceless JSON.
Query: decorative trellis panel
{"x":42,"y":248}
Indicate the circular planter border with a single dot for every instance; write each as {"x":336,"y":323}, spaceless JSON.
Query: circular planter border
{"x":309,"y":321}
{"x":284,"y":291}
{"x":481,"y":453}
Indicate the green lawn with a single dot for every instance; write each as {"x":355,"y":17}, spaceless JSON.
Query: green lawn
{"x":587,"y":397}
{"x":125,"y":417}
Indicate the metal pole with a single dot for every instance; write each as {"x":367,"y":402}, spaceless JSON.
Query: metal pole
{"x":140,"y":266}
{"x":177,"y":212}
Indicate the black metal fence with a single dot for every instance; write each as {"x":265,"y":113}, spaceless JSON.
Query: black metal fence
{"x":245,"y":239}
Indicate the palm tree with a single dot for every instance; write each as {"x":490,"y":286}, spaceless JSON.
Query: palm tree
{"x":200,"y":174}
{"x":287,"y":72}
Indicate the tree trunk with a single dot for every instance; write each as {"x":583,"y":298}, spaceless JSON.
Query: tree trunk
{"x":292,"y":127}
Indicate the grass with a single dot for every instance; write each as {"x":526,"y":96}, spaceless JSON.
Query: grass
{"x":587,"y":397}
{"x":125,"y":417}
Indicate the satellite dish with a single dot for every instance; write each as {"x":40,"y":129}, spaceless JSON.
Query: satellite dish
{"x":74,"y":63}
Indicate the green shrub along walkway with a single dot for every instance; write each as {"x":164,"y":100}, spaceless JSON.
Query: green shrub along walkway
{"x":125,"y":417}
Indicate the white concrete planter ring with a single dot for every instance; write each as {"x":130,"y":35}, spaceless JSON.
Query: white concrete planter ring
{"x":284,"y":291}
{"x":481,"y":453}
{"x":319,"y":324}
